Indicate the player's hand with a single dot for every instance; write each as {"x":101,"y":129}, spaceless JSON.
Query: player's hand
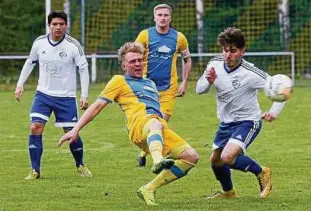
{"x":211,"y":75}
{"x":83,"y":103}
{"x":18,"y":93}
{"x":71,"y":137}
{"x":181,"y":90}
{"x":268,"y":116}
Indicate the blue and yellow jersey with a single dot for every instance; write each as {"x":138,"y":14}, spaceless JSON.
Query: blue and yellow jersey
{"x":137,"y":97}
{"x":160,"y":57}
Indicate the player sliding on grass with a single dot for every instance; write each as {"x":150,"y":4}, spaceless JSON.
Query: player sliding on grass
{"x":58,"y":56}
{"x":236,"y":82}
{"x":139,"y":100}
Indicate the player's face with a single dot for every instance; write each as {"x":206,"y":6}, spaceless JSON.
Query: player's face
{"x":133,"y":64}
{"x":232,"y":55}
{"x":57,"y":28}
{"x":162,"y":17}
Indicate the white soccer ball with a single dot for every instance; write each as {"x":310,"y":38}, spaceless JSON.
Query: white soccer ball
{"x":278,"y":88}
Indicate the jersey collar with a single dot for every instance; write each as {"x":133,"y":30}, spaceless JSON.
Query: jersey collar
{"x":55,"y":44}
{"x":130,"y":77}
{"x":228,"y":70}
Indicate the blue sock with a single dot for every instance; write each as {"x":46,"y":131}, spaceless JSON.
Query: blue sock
{"x":76,"y":149}
{"x":223,"y":175}
{"x":244,"y":163}
{"x":35,"y":151}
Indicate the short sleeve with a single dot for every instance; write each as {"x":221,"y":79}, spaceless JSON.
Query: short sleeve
{"x":143,"y":38}
{"x":183,"y":45}
{"x":113,"y":89}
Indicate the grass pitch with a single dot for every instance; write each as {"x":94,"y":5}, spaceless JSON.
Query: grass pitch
{"x":283,"y":145}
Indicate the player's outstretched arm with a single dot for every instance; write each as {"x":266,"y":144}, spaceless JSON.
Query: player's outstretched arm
{"x":275,"y":109}
{"x":87,"y":117}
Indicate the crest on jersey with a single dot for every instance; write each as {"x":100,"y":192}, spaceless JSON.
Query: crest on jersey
{"x":236,"y":82}
{"x":62,"y":54}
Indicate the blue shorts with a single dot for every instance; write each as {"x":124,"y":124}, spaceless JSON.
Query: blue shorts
{"x":64,"y":108}
{"x":241,"y":133}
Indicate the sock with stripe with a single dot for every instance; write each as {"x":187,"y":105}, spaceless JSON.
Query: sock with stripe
{"x":155,"y":145}
{"x":246,"y":164}
{"x":76,"y":149}
{"x":35,"y":151}
{"x":177,"y":171}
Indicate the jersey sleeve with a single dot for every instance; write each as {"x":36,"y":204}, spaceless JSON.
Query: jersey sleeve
{"x":81,"y":62}
{"x":183,"y":45}
{"x":29,"y":64}
{"x":79,"y":57}
{"x":143,"y":38}
{"x":33,"y":55}
{"x":113,"y":89}
{"x":259,"y":77}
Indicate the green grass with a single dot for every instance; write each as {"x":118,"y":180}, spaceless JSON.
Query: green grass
{"x":283,"y":145}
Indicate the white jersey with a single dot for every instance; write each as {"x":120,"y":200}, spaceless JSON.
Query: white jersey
{"x":236,"y":90}
{"x":58,"y":63}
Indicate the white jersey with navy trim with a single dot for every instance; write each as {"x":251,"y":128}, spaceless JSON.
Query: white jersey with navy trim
{"x":236,"y":90}
{"x":58,"y":63}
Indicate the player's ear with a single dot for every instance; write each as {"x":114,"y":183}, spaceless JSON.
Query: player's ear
{"x":243,"y":51}
{"x":123,"y":66}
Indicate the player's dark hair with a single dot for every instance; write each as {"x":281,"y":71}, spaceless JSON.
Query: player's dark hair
{"x":57,"y":14}
{"x":231,"y":36}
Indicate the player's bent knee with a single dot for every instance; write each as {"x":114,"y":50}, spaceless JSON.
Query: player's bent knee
{"x":155,"y":125}
{"x":215,"y":158}
{"x":36,"y":128}
{"x":227,"y":158}
{"x":189,"y":155}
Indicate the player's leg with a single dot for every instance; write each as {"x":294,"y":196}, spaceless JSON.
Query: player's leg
{"x":233,"y":154}
{"x":167,"y":102}
{"x":39,"y":114}
{"x":153,"y":131}
{"x":185,"y":159}
{"x":223,"y":175}
{"x":220,"y":169}
{"x":66,"y":114}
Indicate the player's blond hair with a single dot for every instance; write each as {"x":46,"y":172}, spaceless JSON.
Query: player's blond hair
{"x":161,"y":6}
{"x":127,"y":47}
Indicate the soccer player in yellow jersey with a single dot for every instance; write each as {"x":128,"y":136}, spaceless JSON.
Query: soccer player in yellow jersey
{"x":162,"y":45}
{"x":139,"y":100}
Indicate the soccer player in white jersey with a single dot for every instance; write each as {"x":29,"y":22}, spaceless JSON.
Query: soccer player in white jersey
{"x":237,"y":82}
{"x":58,"y":56}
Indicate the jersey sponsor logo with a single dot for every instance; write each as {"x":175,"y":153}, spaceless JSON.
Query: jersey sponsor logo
{"x":164,"y":49}
{"x":52,"y":69}
{"x":162,"y":52}
{"x":150,"y":89}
